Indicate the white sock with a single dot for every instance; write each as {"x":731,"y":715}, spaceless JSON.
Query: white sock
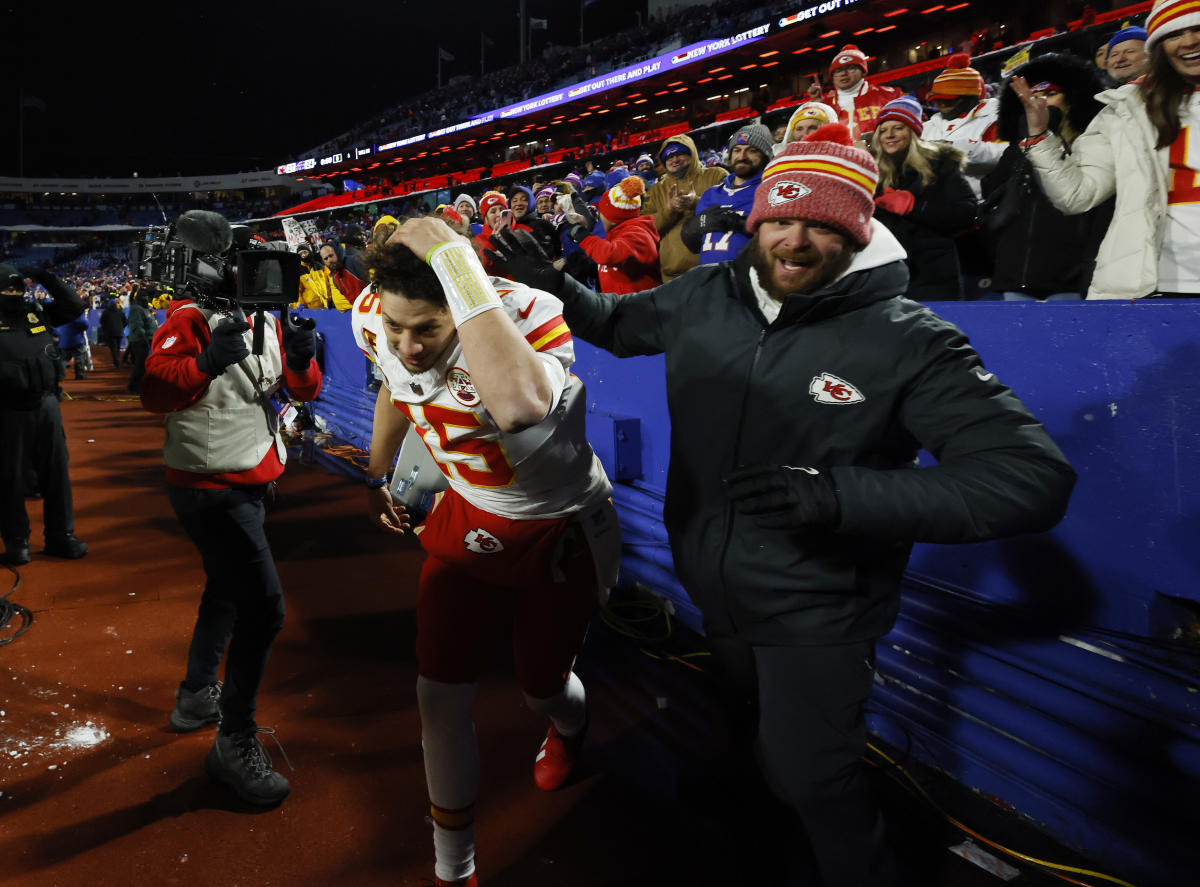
{"x":567,"y":709}
{"x":451,"y":773}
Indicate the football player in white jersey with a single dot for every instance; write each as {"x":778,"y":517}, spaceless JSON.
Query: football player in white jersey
{"x":524,"y":536}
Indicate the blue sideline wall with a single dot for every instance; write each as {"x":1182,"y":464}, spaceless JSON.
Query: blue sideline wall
{"x":1047,"y":672}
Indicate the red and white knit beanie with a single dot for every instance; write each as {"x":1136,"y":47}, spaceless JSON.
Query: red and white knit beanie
{"x":623,"y":200}
{"x":823,"y":179}
{"x":957,"y":80}
{"x":1168,"y":16}
{"x":490,"y":199}
{"x":849,"y":56}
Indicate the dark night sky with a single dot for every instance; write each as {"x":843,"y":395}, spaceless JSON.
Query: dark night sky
{"x":162,"y":89}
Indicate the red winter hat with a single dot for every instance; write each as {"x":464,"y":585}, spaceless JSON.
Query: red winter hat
{"x":623,"y":200}
{"x":823,"y":179}
{"x":490,"y":199}
{"x":959,"y":79}
{"x":849,"y":56}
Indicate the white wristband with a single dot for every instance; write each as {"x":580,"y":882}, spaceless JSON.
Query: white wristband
{"x":467,"y":287}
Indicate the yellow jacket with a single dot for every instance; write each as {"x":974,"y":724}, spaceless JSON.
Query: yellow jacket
{"x":317,"y":290}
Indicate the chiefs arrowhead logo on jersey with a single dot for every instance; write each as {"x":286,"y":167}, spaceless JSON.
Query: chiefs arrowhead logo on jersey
{"x":785,"y":192}
{"x":828,"y":388}
{"x":460,"y":386}
{"x":481,"y":541}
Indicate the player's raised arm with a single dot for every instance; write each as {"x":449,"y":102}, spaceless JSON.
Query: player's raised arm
{"x":509,"y":377}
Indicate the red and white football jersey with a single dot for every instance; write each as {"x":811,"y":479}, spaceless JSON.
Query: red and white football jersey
{"x":545,"y":471}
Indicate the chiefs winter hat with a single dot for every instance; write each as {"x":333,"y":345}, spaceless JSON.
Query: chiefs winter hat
{"x":623,"y":200}
{"x":1168,"y":16}
{"x":756,"y":136}
{"x":957,"y":80}
{"x":813,"y":111}
{"x":849,"y":56}
{"x":490,"y":199}
{"x":906,"y":109}
{"x":823,"y":179}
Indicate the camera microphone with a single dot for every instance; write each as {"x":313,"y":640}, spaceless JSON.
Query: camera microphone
{"x":207,"y":233}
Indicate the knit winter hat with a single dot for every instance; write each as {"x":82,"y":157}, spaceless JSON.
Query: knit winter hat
{"x":756,"y":136}
{"x":906,"y":109}
{"x":1168,"y":16}
{"x":812,"y":111}
{"x":615,"y":175}
{"x":671,"y":149}
{"x":548,"y":191}
{"x":823,"y":179}
{"x":468,"y":198}
{"x":623,"y":200}
{"x":957,"y":80}
{"x":1131,"y":33}
{"x":490,"y":199}
{"x":849,"y":56}
{"x":645,"y":158}
{"x":575,"y":180}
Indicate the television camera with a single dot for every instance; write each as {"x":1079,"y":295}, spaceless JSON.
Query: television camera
{"x":222,"y":267}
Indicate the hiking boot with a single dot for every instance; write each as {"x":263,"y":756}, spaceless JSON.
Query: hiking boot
{"x":195,"y":708}
{"x":557,"y":758}
{"x":239,"y":761}
{"x":67,"y":545}
{"x":16,"y":552}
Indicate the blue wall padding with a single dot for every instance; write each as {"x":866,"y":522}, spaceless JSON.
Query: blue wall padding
{"x":1041,"y":670}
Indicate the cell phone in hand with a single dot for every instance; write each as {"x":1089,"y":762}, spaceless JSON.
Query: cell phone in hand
{"x":507,"y":219}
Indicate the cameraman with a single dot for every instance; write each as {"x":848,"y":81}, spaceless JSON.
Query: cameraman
{"x":31,"y":430}
{"x":223,"y":453}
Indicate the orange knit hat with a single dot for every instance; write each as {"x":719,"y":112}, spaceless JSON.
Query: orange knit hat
{"x":623,"y":200}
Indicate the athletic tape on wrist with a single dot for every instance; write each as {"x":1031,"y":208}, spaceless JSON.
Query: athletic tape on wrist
{"x":468,"y":289}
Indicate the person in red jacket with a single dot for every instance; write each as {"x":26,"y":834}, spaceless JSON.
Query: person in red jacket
{"x":628,"y":252}
{"x":857,"y":102}
{"x":223,"y":453}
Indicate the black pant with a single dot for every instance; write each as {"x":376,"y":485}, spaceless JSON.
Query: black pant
{"x":800,"y":710}
{"x":34,"y":438}
{"x":242,"y":602}
{"x":140,"y":350}
{"x":114,"y":348}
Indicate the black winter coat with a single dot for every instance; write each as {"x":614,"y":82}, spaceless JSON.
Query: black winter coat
{"x":1039,"y":250}
{"x":854,"y":379}
{"x":947,"y":207}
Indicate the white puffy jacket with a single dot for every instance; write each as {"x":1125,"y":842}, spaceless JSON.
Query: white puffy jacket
{"x":1118,"y":146}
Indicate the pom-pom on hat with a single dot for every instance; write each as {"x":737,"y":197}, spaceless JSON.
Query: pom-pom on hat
{"x":823,"y":179}
{"x":623,"y":200}
{"x":849,"y":56}
{"x":1168,"y":16}
{"x":906,"y":109}
{"x":959,"y":79}
{"x":490,"y":199}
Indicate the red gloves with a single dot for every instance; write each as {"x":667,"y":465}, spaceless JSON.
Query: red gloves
{"x":896,"y":201}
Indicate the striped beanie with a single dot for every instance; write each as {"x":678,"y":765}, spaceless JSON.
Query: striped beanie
{"x":623,"y":200}
{"x":548,"y":191}
{"x":957,"y":80}
{"x":1168,"y":16}
{"x":575,"y":181}
{"x":906,"y":109}
{"x":823,"y":179}
{"x":849,"y":56}
{"x":490,"y":199}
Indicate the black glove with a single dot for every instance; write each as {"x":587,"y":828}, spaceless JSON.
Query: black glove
{"x":522,"y":260}
{"x":782,"y":497}
{"x":299,"y":341}
{"x":227,"y":347}
{"x":720,"y":219}
{"x":579,"y":232}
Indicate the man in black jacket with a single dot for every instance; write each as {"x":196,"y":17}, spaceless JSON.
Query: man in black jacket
{"x":791,"y":524}
{"x":31,"y":430}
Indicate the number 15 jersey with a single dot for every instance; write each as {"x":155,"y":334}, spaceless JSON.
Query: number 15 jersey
{"x":546,"y":471}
